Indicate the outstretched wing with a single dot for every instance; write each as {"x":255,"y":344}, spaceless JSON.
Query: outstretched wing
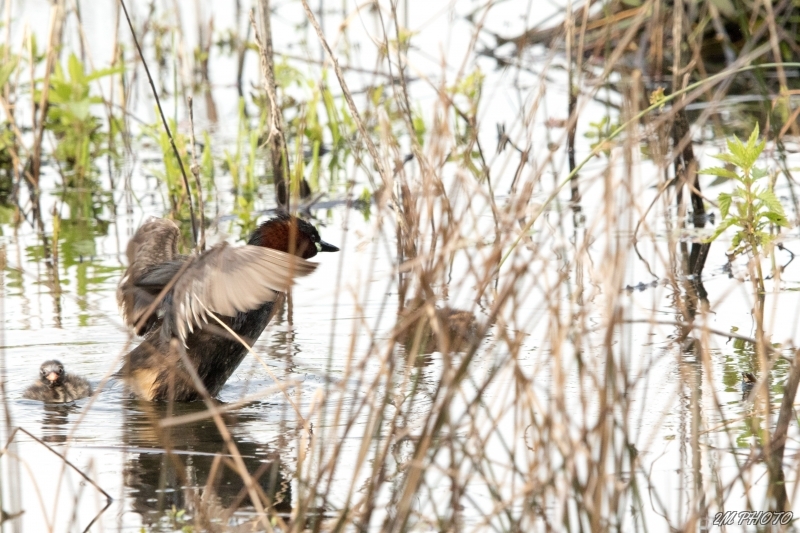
{"x":154,"y":244}
{"x":226,"y":280}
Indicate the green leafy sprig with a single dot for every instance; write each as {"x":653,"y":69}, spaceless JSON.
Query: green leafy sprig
{"x":752,"y":208}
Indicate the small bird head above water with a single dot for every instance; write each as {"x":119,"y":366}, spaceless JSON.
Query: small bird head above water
{"x":749,"y":381}
{"x":290,"y":234}
{"x":52,"y":373}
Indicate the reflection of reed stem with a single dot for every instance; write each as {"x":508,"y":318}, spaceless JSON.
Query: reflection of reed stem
{"x":241,"y":468}
{"x":777,"y":486}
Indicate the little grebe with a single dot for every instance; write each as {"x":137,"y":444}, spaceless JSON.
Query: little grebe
{"x":455,"y":330}
{"x":56,"y":386}
{"x":749,"y":381}
{"x":239,"y":285}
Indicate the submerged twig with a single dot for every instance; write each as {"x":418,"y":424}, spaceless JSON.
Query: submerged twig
{"x":66,"y":461}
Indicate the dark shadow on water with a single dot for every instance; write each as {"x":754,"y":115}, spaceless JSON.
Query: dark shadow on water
{"x":188,"y":468}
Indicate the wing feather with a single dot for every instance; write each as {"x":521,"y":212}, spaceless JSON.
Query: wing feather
{"x":154,"y":244}
{"x":226,"y":280}
{"x":223,"y":280}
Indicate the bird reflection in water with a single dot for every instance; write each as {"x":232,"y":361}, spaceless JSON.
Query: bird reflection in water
{"x":189,"y":468}
{"x":55,"y":420}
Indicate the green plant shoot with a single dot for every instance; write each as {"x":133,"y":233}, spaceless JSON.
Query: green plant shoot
{"x":752,"y":208}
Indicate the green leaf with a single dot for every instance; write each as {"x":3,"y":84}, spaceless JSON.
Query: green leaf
{"x":777,"y":219}
{"x":771,"y":201}
{"x":75,"y":68}
{"x":419,"y":128}
{"x":757,"y":151}
{"x":751,"y":142}
{"x":720,"y":171}
{"x":105,"y":72}
{"x":728,"y":158}
{"x":719,"y":180}
{"x":727,"y":223}
{"x":724,"y":200}
{"x":333,"y":120}
{"x":758,"y":173}
{"x":752,"y":150}
{"x":79,"y":110}
{"x":8,"y":69}
{"x":737,"y":151}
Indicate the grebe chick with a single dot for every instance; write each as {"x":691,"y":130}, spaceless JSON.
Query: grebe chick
{"x":56,"y":386}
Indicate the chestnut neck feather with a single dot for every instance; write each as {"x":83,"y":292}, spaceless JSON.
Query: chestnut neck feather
{"x":284,"y":236}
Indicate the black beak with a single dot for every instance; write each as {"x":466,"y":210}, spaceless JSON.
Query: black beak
{"x":325,"y":247}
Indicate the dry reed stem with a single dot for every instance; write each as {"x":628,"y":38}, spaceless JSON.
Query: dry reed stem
{"x":250,"y":350}
{"x":279,"y":154}
{"x":195,"y":169}
{"x":373,"y":151}
{"x":54,"y":42}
